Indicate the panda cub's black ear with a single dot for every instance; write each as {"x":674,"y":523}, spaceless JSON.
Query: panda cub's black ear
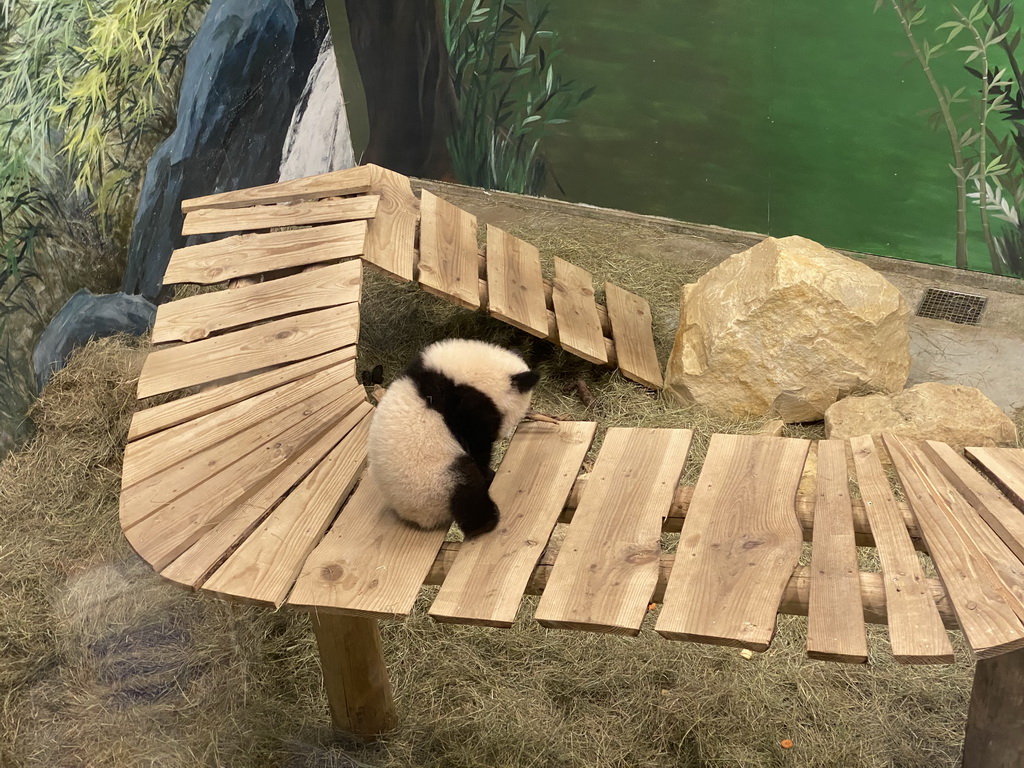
{"x":525,"y":381}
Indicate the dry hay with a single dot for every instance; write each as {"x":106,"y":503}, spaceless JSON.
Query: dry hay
{"x":105,"y":664}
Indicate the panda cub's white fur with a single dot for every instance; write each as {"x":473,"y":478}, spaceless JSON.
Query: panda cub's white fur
{"x":431,"y":438}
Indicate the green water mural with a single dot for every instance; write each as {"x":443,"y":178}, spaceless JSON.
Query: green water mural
{"x":784,"y":117}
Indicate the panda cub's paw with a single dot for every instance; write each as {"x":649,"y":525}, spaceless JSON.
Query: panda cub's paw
{"x":472,"y":506}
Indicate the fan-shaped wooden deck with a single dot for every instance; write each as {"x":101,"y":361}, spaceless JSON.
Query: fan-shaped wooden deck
{"x":253,"y":487}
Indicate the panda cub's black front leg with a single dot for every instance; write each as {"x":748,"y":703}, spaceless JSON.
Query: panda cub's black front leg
{"x":472,"y":506}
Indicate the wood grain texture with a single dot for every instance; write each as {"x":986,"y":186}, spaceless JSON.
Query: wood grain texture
{"x":515,"y":285}
{"x":607,"y":569}
{"x":993,"y":737}
{"x":254,"y":254}
{"x":835,"y":625}
{"x":264,"y":567}
{"x":739,"y":544}
{"x":214,"y":220}
{"x":391,"y":236}
{"x":195,"y":565}
{"x":915,"y":629}
{"x":448,"y":251}
{"x":349,"y":181}
{"x":486,"y":583}
{"x":370,"y":563}
{"x":1001,"y":515}
{"x":250,"y":349}
{"x":355,"y":676}
{"x":1005,"y":466}
{"x":633,"y":333}
{"x":984,"y":580}
{"x":196,"y":317}
{"x":165,"y":534}
{"x":175,"y":412}
{"x":579,"y":326}
{"x":154,"y":453}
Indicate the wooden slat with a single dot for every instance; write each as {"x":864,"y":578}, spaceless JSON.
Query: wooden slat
{"x":485,"y":586}
{"x":196,"y":317}
{"x":173,"y":528}
{"x":349,"y":181}
{"x":391,"y":236}
{"x":915,"y":628}
{"x":1006,"y":468}
{"x":265,"y":565}
{"x":144,"y":458}
{"x":194,"y":566}
{"x":448,"y":251}
{"x":143,"y":499}
{"x":370,"y":563}
{"x":175,"y":412}
{"x":835,"y":625}
{"x":254,"y":254}
{"x":633,"y":333}
{"x":607,"y":569}
{"x":1002,"y":516}
{"x":212,"y":220}
{"x":274,"y":343}
{"x":739,"y":544}
{"x":515,"y":285}
{"x":984,"y":580}
{"x":579,"y":326}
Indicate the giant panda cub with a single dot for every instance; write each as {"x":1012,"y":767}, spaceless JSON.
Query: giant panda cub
{"x":432,"y":435}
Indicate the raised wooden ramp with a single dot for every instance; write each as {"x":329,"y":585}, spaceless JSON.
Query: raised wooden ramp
{"x":248,"y":482}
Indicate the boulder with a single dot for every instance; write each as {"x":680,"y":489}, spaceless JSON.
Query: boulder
{"x":787,"y":328}
{"x":84,"y":317}
{"x":957,"y":415}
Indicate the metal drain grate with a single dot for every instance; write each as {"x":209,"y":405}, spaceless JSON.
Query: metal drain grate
{"x":963,"y":308}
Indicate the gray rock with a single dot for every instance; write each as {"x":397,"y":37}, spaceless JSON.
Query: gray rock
{"x":243,"y":76}
{"x":84,"y":317}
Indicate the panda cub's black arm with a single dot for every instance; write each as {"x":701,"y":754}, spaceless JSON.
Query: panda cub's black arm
{"x":475,"y":422}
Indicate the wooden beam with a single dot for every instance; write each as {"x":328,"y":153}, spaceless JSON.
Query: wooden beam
{"x":994,"y":737}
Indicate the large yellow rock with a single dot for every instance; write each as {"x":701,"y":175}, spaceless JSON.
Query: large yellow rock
{"x":957,"y":415}
{"x":787,"y":328}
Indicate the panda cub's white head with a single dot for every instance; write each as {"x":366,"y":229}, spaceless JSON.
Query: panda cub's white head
{"x":499,"y":373}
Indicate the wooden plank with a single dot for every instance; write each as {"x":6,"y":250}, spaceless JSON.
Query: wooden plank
{"x":739,"y":544}
{"x":485,"y":586}
{"x":1002,"y":516}
{"x":370,"y":563}
{"x":835,"y":625}
{"x":915,"y":628}
{"x":175,"y":412}
{"x":515,"y":285}
{"x":349,"y":181}
{"x":250,"y":349}
{"x":579,"y":327}
{"x":266,"y":564}
{"x":607,"y":569}
{"x":173,"y":528}
{"x":254,"y":254}
{"x":984,"y":580}
{"x":391,"y":236}
{"x":196,"y":317}
{"x":448,"y":251}
{"x":144,"y":458}
{"x":194,"y":566}
{"x":1006,"y":468}
{"x":633,"y":332}
{"x":212,"y":220}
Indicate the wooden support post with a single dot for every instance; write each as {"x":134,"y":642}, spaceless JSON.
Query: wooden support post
{"x":355,"y":677}
{"x":995,"y":734}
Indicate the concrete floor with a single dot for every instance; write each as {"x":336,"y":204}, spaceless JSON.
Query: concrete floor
{"x":989,"y":356}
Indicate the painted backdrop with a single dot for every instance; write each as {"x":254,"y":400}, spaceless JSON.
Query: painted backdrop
{"x":885,"y":126}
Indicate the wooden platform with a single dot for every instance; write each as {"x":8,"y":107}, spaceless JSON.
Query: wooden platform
{"x":252,"y":486}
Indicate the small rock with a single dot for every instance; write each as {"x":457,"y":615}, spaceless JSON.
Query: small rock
{"x":787,"y":328}
{"x":957,"y":415}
